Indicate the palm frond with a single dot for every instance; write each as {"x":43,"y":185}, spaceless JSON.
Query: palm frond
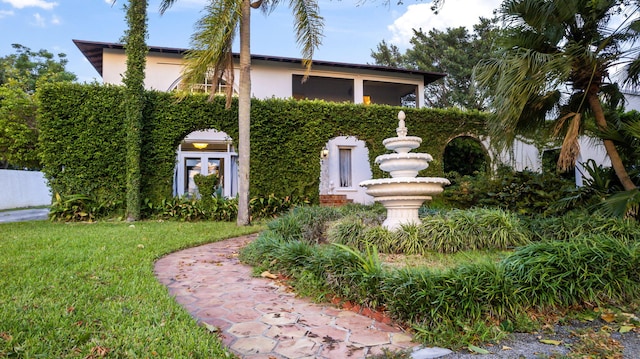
{"x":210,"y":53}
{"x":165,"y":5}
{"x":625,"y":204}
{"x":308,"y":26}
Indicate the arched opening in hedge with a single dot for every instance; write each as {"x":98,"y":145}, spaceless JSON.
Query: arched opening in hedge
{"x":465,"y":155}
{"x":208,"y":152}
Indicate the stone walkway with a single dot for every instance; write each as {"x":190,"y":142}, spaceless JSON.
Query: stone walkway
{"x":258,"y":318}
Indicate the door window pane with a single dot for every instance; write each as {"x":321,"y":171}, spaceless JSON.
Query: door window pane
{"x":192,"y":167}
{"x":345,"y":167}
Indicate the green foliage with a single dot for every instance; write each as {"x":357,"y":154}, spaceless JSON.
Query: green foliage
{"x":82,"y":135}
{"x":578,"y":224}
{"x":80,"y":208}
{"x":18,"y":128}
{"x":455,"y":52}
{"x":136,"y":52}
{"x":207,"y":185}
{"x":20,"y":73}
{"x":272,"y":206}
{"x":589,"y":269}
{"x":307,"y":224}
{"x":445,"y":232}
{"x":465,"y":156}
{"x":28,"y":68}
{"x":525,"y":192}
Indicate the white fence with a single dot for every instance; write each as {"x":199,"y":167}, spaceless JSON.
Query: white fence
{"x":20,"y":189}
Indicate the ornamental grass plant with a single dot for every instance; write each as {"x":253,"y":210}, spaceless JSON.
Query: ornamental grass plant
{"x":81,"y":290}
{"x":465,"y":302}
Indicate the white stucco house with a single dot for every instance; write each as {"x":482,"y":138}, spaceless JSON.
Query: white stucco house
{"x":346,"y":162}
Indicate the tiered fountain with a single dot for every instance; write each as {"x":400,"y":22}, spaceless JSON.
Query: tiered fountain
{"x":403,"y":193}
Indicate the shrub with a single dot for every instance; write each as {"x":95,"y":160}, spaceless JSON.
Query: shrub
{"x":305,"y":223}
{"x":592,"y":269}
{"x":81,"y":208}
{"x":525,"y":192}
{"x":444,"y":231}
{"x":577,"y":224}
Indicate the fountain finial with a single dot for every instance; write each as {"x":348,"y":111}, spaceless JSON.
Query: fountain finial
{"x":402,"y":129}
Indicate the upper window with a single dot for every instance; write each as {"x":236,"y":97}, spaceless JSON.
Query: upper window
{"x":322,"y":88}
{"x":206,"y":86}
{"x":389,"y":93}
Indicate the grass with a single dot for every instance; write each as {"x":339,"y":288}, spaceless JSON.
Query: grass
{"x":88,"y":290}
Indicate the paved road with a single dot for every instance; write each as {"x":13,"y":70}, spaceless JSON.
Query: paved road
{"x":21,"y":215}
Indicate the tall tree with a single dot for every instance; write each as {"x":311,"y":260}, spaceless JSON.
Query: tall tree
{"x":26,"y":68}
{"x":455,"y":52}
{"x":20,"y":75}
{"x":555,"y":61}
{"x":136,"y":51}
{"x":211,"y":52}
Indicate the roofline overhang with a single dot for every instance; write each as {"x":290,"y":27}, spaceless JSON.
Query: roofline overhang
{"x":93,"y":51}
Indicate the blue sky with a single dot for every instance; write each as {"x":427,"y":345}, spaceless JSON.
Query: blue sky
{"x":352,"y":27}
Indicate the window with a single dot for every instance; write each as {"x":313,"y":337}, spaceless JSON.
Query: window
{"x":388,"y":93}
{"x":322,"y":88}
{"x":345,"y":167}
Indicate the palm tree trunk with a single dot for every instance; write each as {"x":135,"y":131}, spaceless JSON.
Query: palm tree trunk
{"x":614,"y":156}
{"x":244,"y":116}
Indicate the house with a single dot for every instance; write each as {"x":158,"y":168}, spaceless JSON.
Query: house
{"x":345,"y":161}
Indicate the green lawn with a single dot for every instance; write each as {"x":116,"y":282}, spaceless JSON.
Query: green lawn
{"x":88,"y":290}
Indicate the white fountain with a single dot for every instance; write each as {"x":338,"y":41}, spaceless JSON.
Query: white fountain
{"x":403,"y":193}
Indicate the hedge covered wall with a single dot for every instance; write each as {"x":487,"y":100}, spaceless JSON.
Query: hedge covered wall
{"x":82,"y":138}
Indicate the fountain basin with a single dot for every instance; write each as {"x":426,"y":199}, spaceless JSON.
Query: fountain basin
{"x":405,"y":187}
{"x":403,"y":164}
{"x":402,"y":144}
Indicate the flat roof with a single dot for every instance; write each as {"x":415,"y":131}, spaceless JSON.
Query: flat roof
{"x":93,"y":51}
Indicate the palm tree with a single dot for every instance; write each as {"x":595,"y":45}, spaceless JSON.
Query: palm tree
{"x":211,"y":50}
{"x":556,"y":58}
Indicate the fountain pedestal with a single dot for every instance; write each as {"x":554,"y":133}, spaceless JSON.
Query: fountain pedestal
{"x":404,"y":193}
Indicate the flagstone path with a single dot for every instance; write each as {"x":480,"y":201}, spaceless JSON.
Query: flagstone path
{"x":258,"y":318}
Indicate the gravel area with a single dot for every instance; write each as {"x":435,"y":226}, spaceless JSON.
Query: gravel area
{"x":528,"y":345}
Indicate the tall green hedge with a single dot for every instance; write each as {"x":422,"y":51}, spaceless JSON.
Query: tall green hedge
{"x":82,"y":137}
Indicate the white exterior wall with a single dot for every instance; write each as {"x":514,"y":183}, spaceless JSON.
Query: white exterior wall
{"x":526,"y":156}
{"x":22,"y":189}
{"x":161,"y":72}
{"x":590,"y":148}
{"x":523,"y":156}
{"x":268,"y":78}
{"x":360,"y":169}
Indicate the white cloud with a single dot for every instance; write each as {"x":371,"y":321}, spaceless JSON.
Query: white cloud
{"x":5,"y":13}
{"x":39,"y":20}
{"x":20,"y":4}
{"x":55,"y":20}
{"x":454,"y":13}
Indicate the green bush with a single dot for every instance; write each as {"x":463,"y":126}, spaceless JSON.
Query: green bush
{"x":578,"y":224}
{"x":525,"y":192}
{"x":593,"y":269}
{"x":207,"y":185}
{"x":444,"y":231}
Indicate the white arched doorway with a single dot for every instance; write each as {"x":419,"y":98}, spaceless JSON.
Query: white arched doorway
{"x":344,"y":164}
{"x":206,"y":152}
